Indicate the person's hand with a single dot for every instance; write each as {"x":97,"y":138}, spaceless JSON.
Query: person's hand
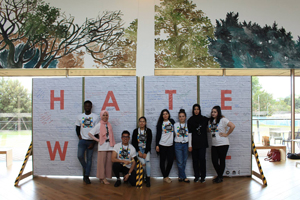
{"x":126,"y":162}
{"x":223,"y":134}
{"x":157,"y":148}
{"x":190,"y":149}
{"x":140,"y":154}
{"x":91,"y":146}
{"x":144,"y":156}
{"x":126,"y":177}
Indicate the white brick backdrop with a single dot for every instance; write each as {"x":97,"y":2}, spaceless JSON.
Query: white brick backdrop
{"x":58,"y":125}
{"x":156,"y":100}
{"x":240,"y":115}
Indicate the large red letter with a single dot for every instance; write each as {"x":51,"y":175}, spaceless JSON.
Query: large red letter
{"x":114,"y":103}
{"x":52,"y":99}
{"x":52,"y":154}
{"x":170,"y":92}
{"x":223,"y":99}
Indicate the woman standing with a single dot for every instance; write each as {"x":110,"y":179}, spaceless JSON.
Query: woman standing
{"x":197,"y":125}
{"x":164,"y":143}
{"x":218,"y":128}
{"x":181,"y":145}
{"x":141,"y":140}
{"x":106,"y":144}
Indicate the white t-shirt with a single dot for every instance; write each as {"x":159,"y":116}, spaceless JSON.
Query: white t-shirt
{"x":215,"y":129}
{"x":179,"y":137}
{"x":128,"y":152}
{"x":167,"y":135}
{"x":86,"y":123}
{"x":106,"y":145}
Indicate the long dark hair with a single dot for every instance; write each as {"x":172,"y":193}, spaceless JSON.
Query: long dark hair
{"x":196,"y":105}
{"x":161,"y":119}
{"x":219,"y":116}
{"x":142,"y":117}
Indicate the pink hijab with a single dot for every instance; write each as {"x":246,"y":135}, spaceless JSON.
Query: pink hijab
{"x":103,"y":131}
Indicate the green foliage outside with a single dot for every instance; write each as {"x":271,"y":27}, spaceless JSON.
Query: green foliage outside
{"x":264,"y":102}
{"x":14,"y":99}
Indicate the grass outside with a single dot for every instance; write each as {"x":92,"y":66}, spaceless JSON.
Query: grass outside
{"x":19,"y":141}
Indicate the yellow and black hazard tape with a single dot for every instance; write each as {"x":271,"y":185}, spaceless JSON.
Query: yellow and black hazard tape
{"x":139,"y":174}
{"x":258,"y":164}
{"x":24,"y":164}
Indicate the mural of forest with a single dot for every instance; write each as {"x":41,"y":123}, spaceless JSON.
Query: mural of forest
{"x":185,"y":37}
{"x":34,"y":34}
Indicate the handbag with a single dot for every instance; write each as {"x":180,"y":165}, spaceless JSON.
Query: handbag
{"x":273,"y":155}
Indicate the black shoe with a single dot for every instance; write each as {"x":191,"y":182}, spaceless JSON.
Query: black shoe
{"x":148,"y":181}
{"x":180,"y":179}
{"x":215,"y":179}
{"x":218,"y":180}
{"x":186,"y":180}
{"x":117,"y":183}
{"x":202,"y":180}
{"x":86,"y":179}
{"x":196,"y":180}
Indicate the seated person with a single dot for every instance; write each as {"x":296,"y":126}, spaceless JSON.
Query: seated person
{"x":123,"y":160}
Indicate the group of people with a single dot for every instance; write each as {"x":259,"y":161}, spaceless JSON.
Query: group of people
{"x":173,"y":139}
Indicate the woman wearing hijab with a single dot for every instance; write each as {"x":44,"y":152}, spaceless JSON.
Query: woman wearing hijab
{"x":197,"y":125}
{"x":106,"y":144}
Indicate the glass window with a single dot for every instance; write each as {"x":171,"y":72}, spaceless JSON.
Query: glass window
{"x":15,"y":115}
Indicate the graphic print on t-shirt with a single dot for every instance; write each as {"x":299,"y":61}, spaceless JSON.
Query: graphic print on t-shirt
{"x":87,"y":122}
{"x":181,"y":132}
{"x":124,"y":153}
{"x":213,"y":128}
{"x":167,"y":128}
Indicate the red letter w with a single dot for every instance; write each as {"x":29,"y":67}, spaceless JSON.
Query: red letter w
{"x":52,"y":154}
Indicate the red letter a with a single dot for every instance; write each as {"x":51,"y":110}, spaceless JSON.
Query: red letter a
{"x":114,"y":103}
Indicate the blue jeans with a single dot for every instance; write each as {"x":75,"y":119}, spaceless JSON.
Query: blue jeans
{"x":82,"y":147}
{"x":145,"y":161}
{"x":181,"y":153}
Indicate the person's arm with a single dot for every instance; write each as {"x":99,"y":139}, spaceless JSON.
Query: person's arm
{"x":134,"y":141}
{"x":149,"y":141}
{"x":158,"y":136}
{"x":114,"y":158}
{"x":78,"y":132}
{"x":93,"y":137}
{"x":231,"y":128}
{"x":130,"y":170}
{"x":190,"y":142}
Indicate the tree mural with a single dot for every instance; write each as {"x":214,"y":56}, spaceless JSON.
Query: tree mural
{"x":248,"y":45}
{"x":183,"y":35}
{"x":35,"y":35}
{"x":126,"y":56}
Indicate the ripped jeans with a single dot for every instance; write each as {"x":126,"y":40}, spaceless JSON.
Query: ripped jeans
{"x":145,"y":161}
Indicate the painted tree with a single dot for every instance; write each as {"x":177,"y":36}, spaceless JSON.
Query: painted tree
{"x":34,"y":33}
{"x":182,"y":35}
{"x":126,"y":56}
{"x":248,"y":45}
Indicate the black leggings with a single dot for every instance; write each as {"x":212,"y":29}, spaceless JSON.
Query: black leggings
{"x":218,"y":156}
{"x":166,"y":154}
{"x":199,"y":159}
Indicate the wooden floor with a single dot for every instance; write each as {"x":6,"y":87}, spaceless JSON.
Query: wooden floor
{"x":283,"y":180}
